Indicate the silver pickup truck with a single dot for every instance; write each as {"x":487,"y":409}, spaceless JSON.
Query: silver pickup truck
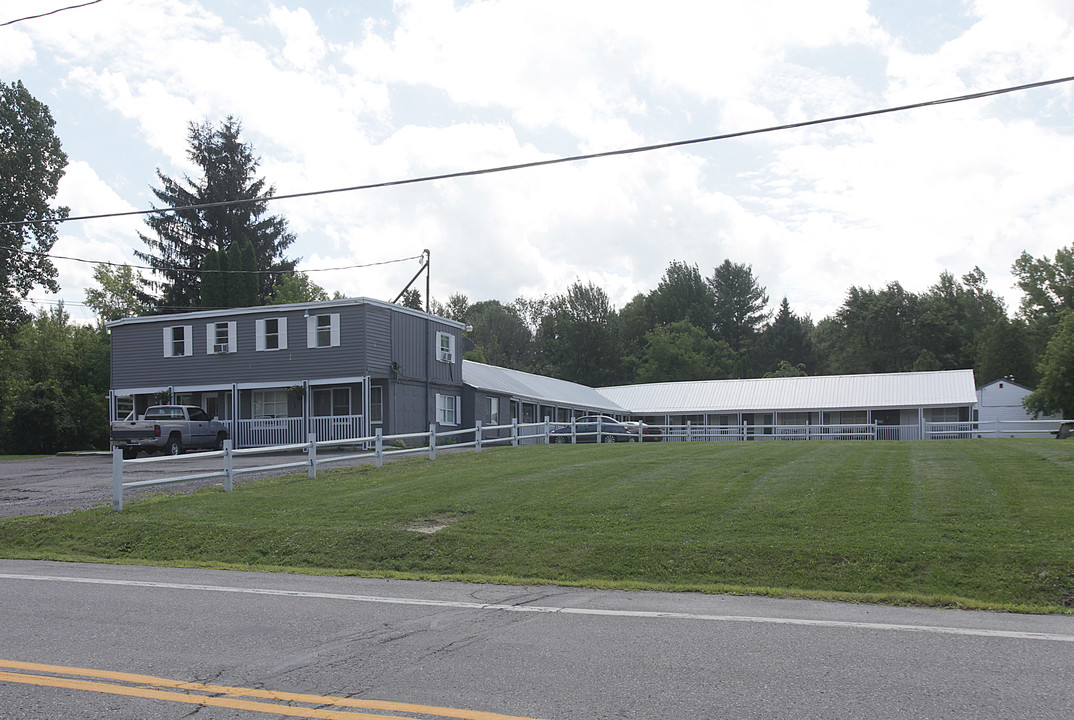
{"x":168,"y":428}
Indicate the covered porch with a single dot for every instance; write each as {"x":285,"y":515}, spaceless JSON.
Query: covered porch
{"x":281,"y":413}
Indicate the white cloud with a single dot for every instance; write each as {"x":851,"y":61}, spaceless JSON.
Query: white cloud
{"x":303,"y":47}
{"x":439,"y":87}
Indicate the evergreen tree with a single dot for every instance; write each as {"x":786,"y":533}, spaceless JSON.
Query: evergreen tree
{"x":787,"y":339}
{"x":740,"y":303}
{"x":213,"y":281}
{"x":181,"y":238}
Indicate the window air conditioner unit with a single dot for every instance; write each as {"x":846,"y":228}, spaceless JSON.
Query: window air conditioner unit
{"x":220,"y":348}
{"x":445,"y":356}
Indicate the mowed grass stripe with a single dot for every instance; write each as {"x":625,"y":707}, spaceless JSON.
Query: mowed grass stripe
{"x":986,"y":523}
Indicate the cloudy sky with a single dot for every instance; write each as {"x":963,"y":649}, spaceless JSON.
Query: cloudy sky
{"x":335,"y":94}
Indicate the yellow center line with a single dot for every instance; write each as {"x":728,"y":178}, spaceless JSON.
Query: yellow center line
{"x":228,"y":702}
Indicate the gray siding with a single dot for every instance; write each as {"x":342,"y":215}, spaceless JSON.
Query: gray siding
{"x":395,"y":347}
{"x":369,"y":339}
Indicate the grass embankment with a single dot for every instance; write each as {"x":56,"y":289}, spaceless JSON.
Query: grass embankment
{"x":985,"y":524}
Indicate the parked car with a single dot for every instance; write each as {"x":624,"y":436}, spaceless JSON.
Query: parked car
{"x":647,"y":433}
{"x":170,"y":429}
{"x":592,"y":427}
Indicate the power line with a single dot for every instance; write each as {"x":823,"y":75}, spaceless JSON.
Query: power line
{"x":52,"y":12}
{"x":201,"y":271}
{"x":562,"y":160}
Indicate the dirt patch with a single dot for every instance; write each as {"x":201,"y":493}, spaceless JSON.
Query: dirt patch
{"x":434,"y":525}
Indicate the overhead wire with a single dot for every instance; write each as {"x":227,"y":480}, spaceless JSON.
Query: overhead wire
{"x":562,"y":160}
{"x":179,"y":268}
{"x":51,"y":12}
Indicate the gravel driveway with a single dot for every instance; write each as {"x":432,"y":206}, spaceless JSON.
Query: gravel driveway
{"x":65,"y":483}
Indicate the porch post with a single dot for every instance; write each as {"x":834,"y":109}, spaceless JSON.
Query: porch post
{"x":235,"y":433}
{"x":364,"y":425}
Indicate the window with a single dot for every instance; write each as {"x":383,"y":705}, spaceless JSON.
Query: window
{"x":494,"y":410}
{"x":331,"y":402}
{"x":322,"y":330}
{"x":270,"y":404}
{"x":178,"y":341}
{"x":445,"y":347}
{"x":220,"y":338}
{"x":949,"y":414}
{"x":271,"y":334}
{"x":447,"y":409}
{"x":376,"y":403}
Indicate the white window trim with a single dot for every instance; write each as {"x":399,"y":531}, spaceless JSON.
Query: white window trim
{"x":188,"y":341}
{"x":441,"y":409}
{"x":443,"y":356}
{"x":281,"y":325}
{"x":263,"y":394}
{"x":311,"y":331}
{"x":210,"y":338}
{"x":377,"y":390}
{"x":494,"y":410}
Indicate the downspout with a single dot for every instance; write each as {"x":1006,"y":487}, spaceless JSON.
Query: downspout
{"x":428,"y":330}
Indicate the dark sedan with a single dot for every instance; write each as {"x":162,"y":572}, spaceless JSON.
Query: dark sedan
{"x":594,"y":428}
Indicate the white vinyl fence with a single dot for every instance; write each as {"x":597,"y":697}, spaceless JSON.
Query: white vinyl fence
{"x":517,"y":434}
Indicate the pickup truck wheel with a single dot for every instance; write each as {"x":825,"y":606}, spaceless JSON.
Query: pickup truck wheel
{"x":174,"y":446}
{"x":220,"y":438}
{"x":130,"y":453}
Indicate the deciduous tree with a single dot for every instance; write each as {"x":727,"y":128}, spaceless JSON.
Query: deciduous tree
{"x":32,"y":163}
{"x":119,"y":294}
{"x":1055,"y":392}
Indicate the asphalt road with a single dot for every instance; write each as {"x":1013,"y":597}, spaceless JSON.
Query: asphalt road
{"x":278,"y":645}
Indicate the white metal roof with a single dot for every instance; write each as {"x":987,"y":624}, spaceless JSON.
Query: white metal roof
{"x":538,"y":388}
{"x":819,"y":392}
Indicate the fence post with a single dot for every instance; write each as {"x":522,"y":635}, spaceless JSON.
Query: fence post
{"x":874,"y":429}
{"x":689,"y":432}
{"x":117,"y":479}
{"x":378,"y":448}
{"x":744,"y":426}
{"x":514,"y":432}
{"x":432,"y":441}
{"x":574,"y":430}
{"x":547,"y":431}
{"x":312,"y":438}
{"x":477,"y":436}
{"x":229,"y":467}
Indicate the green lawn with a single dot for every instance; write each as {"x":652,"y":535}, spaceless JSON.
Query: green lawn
{"x":986,"y":523}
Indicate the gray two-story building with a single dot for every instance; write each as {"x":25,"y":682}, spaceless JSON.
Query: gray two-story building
{"x":340,"y":369}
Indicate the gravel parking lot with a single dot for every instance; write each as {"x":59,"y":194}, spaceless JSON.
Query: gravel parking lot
{"x":65,"y":483}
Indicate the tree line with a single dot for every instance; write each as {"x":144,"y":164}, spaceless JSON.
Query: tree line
{"x":691,"y":326}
